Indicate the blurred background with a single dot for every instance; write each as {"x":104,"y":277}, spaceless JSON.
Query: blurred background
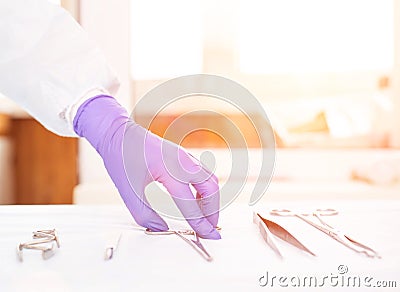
{"x":326,"y":72}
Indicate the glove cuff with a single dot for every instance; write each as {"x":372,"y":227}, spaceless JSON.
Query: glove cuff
{"x":98,"y":118}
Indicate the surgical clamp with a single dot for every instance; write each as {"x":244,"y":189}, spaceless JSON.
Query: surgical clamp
{"x":40,"y":237}
{"x":195,"y":244}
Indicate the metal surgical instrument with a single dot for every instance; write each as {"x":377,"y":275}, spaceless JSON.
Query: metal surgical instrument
{"x":195,"y":244}
{"x":40,"y":237}
{"x":269,"y":228}
{"x":112,"y":245}
{"x":328,"y":229}
{"x":47,"y":251}
{"x":48,"y":234}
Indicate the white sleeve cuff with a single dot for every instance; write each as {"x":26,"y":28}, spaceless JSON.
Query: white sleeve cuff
{"x":73,"y":108}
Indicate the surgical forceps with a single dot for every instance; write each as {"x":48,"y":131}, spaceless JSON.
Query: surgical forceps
{"x":269,"y":228}
{"x":328,"y":229}
{"x":196,"y":244}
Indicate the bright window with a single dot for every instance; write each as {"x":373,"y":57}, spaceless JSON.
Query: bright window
{"x":166,"y":38}
{"x":291,"y":36}
{"x":55,"y":1}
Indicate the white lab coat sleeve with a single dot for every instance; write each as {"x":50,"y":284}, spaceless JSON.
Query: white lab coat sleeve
{"x":48,"y":64}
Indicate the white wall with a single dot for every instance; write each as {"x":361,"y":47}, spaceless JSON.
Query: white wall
{"x":107,"y":23}
{"x":396,"y":76}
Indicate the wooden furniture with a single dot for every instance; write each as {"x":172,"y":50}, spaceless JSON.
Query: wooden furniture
{"x":45,"y":169}
{"x":204,"y":130}
{"x":4,"y":124}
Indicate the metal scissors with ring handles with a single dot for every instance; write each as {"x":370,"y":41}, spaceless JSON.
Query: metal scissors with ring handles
{"x":328,"y":229}
{"x":194,"y":243}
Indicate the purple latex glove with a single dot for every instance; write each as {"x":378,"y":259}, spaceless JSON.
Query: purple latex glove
{"x":134,"y":157}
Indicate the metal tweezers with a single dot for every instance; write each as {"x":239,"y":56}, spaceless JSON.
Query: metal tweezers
{"x":270,"y":229}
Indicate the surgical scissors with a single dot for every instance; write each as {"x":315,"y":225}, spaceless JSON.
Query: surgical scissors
{"x":196,"y":244}
{"x":328,"y":229}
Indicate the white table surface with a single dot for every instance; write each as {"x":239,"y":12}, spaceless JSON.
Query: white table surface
{"x":166,"y":263}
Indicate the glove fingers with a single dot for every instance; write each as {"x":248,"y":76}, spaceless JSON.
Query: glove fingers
{"x":143,"y":214}
{"x":190,"y":209}
{"x":209,"y":197}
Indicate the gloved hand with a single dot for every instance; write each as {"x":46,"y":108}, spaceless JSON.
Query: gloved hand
{"x":134,"y":157}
